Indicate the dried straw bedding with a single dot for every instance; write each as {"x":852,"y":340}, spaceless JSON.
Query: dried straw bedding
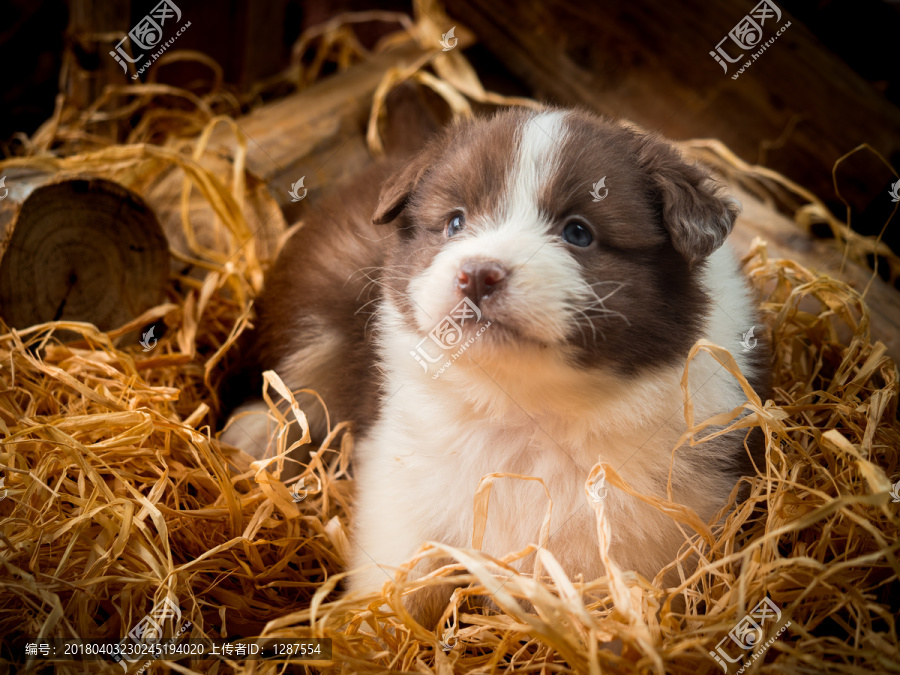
{"x":120,"y":495}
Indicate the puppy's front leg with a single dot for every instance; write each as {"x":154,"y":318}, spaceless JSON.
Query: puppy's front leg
{"x":388,"y":531}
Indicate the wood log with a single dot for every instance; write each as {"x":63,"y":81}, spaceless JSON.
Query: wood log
{"x":88,"y":249}
{"x":163,"y":193}
{"x":650,"y":62}
{"x":318,"y":134}
{"x":77,"y":248}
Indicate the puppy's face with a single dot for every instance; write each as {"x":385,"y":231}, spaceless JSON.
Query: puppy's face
{"x":560,"y":230}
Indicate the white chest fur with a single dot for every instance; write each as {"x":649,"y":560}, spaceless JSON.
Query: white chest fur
{"x":420,"y":466}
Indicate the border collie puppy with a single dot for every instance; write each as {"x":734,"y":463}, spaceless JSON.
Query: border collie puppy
{"x":519,"y":297}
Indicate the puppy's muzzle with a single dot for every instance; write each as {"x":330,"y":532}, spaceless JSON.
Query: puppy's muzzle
{"x":477,"y":279}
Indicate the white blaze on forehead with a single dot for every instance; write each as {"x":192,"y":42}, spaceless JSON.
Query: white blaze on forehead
{"x":545,"y":283}
{"x":537,"y":160}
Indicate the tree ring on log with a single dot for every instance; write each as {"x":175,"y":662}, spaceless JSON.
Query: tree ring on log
{"x":82,"y":250}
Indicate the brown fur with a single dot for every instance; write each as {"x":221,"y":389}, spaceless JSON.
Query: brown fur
{"x":661,"y":219}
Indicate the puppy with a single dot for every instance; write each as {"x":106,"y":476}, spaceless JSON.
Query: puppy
{"x":497,"y":307}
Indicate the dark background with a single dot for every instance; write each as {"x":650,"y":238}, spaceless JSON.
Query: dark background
{"x":839,"y":60}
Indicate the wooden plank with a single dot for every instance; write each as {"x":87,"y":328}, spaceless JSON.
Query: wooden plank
{"x":91,"y":68}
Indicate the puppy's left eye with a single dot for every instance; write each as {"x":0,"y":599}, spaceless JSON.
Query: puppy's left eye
{"x":456,"y":224}
{"x":577,"y":234}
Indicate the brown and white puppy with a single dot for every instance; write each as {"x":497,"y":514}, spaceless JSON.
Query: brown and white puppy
{"x":496,"y":314}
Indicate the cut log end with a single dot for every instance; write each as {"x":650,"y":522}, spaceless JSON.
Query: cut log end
{"x":81,"y":250}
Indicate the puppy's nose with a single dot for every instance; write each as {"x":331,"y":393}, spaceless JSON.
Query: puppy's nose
{"x":477,"y":279}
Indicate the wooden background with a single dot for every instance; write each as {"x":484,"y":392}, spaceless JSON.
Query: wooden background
{"x":827,"y":85}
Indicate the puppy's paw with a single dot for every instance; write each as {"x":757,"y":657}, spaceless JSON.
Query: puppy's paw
{"x":248,"y":428}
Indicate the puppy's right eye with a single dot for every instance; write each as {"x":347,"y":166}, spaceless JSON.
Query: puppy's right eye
{"x":577,"y":234}
{"x":456,"y":224}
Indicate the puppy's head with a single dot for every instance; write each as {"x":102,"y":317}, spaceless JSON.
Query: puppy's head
{"x":561,"y":230}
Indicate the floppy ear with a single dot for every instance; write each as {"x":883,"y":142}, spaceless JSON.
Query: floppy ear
{"x":695,"y":213}
{"x":395,"y":191}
